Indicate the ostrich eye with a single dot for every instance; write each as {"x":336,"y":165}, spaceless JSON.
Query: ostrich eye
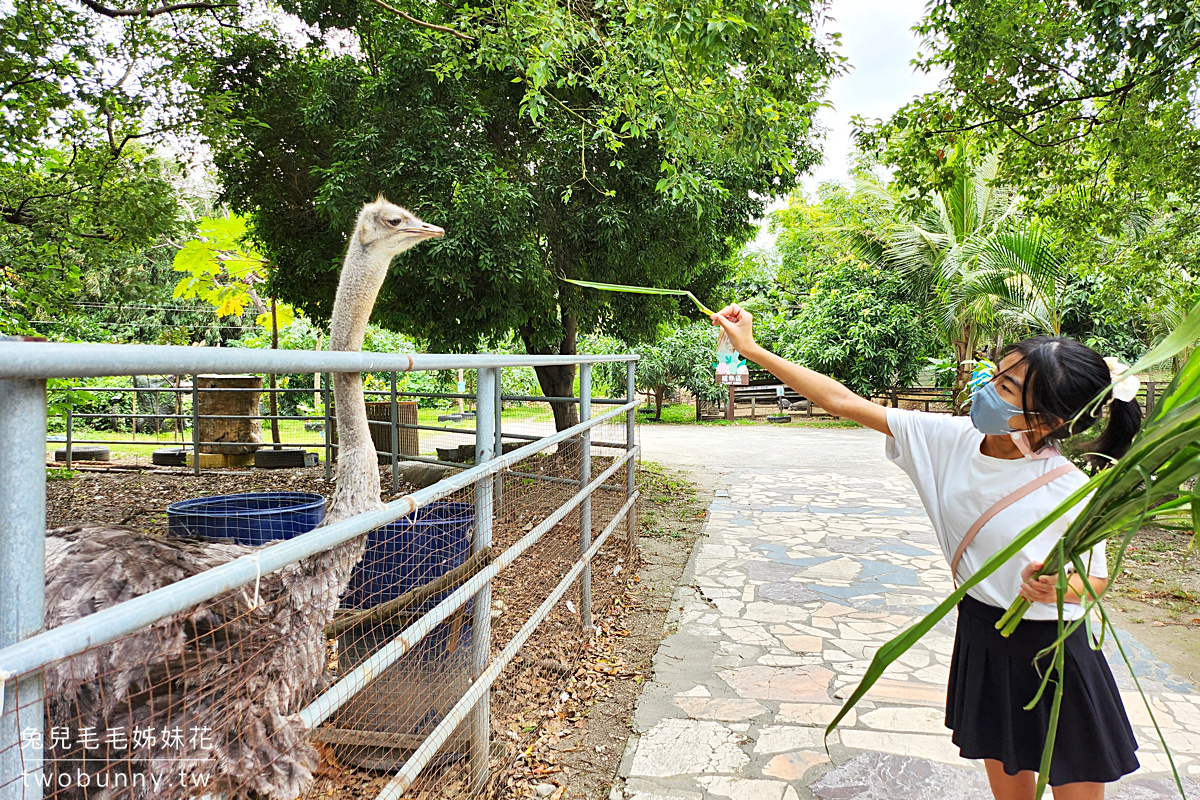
{"x":395,"y":221}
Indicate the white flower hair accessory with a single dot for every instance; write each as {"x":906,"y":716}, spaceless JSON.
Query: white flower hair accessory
{"x":1125,"y":387}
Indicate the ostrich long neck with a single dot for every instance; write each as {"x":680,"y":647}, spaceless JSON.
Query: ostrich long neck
{"x":358,"y":473}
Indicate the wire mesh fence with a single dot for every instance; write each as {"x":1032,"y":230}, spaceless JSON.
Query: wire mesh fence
{"x":244,"y":644}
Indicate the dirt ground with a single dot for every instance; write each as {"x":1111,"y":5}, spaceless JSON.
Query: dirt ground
{"x":1157,"y":597}
{"x":561,"y":710}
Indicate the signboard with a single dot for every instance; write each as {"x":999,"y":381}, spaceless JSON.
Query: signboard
{"x":732,"y":369}
{"x":462,"y":387}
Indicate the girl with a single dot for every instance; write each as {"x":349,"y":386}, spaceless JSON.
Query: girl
{"x":982,"y":480}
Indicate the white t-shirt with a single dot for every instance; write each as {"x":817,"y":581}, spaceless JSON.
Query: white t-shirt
{"x":958,"y":483}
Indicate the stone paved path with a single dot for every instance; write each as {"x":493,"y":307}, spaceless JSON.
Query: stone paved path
{"x":802,"y":575}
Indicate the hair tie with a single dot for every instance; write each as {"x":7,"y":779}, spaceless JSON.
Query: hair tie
{"x":1125,"y":385}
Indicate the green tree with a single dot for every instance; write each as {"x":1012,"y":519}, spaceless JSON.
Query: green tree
{"x":860,"y":318}
{"x":683,"y":358}
{"x":1091,"y":95}
{"x":1094,"y":106}
{"x":861,"y":325}
{"x":587,"y":165}
{"x":64,"y":213}
{"x":90,"y":92}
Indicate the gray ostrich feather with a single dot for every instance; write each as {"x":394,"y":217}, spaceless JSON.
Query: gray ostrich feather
{"x":230,"y":675}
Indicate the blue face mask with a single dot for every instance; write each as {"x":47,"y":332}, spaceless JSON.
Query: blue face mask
{"x":990,"y":412}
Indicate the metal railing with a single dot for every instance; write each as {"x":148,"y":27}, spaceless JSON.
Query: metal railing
{"x":26,"y":650}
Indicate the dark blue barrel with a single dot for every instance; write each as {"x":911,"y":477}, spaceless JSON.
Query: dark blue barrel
{"x":411,"y":552}
{"x":255,"y":518}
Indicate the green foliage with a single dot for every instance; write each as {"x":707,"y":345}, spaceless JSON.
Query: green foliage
{"x":81,"y":187}
{"x":861,"y":327}
{"x":220,"y":270}
{"x":661,"y":71}
{"x":549,"y":146}
{"x":683,"y":358}
{"x":860,"y":318}
{"x":1090,"y":95}
{"x":1093,"y":107}
{"x":302,"y":334}
{"x":67,"y":213}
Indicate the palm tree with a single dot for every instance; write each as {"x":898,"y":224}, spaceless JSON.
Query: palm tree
{"x":987,"y":273}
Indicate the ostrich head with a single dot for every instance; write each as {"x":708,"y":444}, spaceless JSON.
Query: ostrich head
{"x":390,"y":228}
{"x":382,"y":231}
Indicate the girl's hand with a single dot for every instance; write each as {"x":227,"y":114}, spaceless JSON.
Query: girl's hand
{"x":738,"y":325}
{"x":1038,"y":590}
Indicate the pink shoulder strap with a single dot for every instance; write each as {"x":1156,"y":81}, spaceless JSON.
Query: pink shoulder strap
{"x":1002,"y":504}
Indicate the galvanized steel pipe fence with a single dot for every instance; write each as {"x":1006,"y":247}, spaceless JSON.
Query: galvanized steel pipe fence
{"x":507,"y":564}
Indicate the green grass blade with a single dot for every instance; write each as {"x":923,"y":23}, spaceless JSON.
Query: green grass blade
{"x":1061,"y":586}
{"x":616,"y":287}
{"x":1195,"y":504}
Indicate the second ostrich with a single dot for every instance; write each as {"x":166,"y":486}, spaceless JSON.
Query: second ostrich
{"x":231,"y":674}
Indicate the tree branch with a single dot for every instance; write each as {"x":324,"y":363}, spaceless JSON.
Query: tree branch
{"x":153,"y":12}
{"x":1121,"y":91}
{"x":415,"y":21}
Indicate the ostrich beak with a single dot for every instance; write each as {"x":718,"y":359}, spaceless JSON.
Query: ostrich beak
{"x":426,"y":231}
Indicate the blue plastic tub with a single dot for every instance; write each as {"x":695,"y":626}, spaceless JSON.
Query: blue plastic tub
{"x":411,"y":552}
{"x":255,"y":518}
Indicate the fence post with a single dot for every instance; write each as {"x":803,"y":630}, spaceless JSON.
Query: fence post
{"x":1150,"y":398}
{"x":395,"y":439}
{"x":328,"y":426}
{"x":630,"y":471}
{"x":481,"y":624}
{"x":70,"y":428}
{"x":196,"y":425}
{"x":22,"y":576}
{"x":585,"y":507}
{"x":498,"y":495}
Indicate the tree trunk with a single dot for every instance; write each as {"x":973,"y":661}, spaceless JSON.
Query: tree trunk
{"x":274,"y":398}
{"x":558,"y":381}
{"x":659,"y":391}
{"x":962,"y":375}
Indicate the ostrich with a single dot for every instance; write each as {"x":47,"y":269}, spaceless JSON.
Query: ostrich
{"x":214,"y":691}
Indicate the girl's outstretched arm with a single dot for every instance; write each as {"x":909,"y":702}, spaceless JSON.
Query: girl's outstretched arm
{"x":815,"y":387}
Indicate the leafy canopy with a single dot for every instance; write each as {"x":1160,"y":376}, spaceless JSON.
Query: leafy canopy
{"x":1096,"y":95}
{"x":860,"y":319}
{"x":625,"y":144}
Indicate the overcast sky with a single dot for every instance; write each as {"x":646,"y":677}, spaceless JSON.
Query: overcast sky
{"x":878,"y":40}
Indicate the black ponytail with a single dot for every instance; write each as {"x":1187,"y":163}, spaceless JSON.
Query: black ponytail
{"x":1063,"y":378}
{"x":1124,"y":421}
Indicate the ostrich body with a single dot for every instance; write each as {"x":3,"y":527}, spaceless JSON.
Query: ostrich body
{"x":229,"y":674}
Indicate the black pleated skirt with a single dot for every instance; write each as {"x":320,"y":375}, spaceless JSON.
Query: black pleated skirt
{"x":992,"y":679}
